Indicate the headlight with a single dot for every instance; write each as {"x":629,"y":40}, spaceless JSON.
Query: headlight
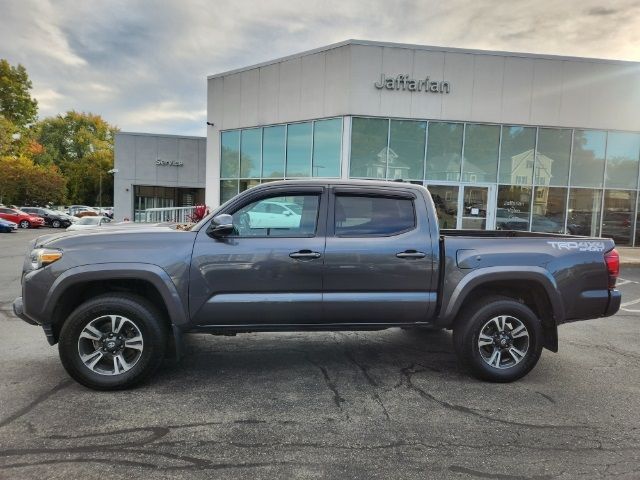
{"x":41,"y":257}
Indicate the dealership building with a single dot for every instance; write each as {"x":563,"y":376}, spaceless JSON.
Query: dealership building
{"x":502,"y":140}
{"x":157,"y":172}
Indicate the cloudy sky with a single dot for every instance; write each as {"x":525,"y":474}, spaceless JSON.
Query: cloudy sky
{"x":142,"y":65}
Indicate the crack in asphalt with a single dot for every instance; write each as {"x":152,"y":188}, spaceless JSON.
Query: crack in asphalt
{"x":499,"y":476}
{"x":337,"y":398}
{"x":35,"y":402}
{"x":409,"y":371}
{"x":371,"y":381}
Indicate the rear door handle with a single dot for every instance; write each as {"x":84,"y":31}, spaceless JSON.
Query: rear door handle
{"x":411,"y":254}
{"x":305,"y":255}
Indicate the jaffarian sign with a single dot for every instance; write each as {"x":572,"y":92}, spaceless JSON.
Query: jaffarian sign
{"x":404,"y":82}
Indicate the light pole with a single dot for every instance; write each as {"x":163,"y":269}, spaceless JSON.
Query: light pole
{"x":113,"y":171}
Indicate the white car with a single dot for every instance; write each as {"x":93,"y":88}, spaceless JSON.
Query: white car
{"x":85,"y":223}
{"x":275,"y":215}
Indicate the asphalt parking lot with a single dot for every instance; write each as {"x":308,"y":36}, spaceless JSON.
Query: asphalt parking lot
{"x":390,"y":404}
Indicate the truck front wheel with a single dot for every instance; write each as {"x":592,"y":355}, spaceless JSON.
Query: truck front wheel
{"x":113,"y":341}
{"x":498,"y":339}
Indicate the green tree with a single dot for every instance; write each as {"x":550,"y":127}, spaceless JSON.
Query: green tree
{"x":81,"y":145}
{"x":16,"y":104}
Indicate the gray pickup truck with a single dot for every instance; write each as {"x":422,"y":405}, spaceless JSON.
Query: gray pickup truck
{"x":311,"y":256}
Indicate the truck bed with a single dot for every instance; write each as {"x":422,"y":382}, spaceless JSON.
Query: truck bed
{"x":503,"y":234}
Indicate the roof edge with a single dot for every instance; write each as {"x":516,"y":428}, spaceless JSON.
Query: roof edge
{"x":435,"y":48}
{"x":146,"y":134}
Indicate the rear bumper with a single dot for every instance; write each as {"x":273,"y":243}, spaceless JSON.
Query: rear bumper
{"x":615,"y":297}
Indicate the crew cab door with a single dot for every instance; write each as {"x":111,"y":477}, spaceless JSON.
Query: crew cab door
{"x":269,"y":270}
{"x":378,"y":257}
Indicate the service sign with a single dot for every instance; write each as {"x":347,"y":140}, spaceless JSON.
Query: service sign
{"x":169,"y":163}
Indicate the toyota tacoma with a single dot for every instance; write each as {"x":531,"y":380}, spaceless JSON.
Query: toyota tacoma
{"x":317,"y":255}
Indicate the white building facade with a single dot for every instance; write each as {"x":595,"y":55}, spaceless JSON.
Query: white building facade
{"x":502,"y":140}
{"x":157,"y":172}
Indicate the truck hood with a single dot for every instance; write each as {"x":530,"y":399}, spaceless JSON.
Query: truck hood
{"x":103,"y":233}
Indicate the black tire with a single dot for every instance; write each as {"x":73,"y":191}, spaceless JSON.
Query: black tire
{"x":24,"y":224}
{"x":466,"y":335}
{"x":56,"y":224}
{"x":141,"y":313}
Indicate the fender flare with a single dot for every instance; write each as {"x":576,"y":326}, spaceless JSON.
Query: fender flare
{"x":482,"y":276}
{"x":178,"y":314}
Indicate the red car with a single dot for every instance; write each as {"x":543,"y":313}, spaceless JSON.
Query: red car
{"x":24,"y":220}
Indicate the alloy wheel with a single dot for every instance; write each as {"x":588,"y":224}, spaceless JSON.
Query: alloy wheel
{"x":503,"y":342}
{"x":110,"y":345}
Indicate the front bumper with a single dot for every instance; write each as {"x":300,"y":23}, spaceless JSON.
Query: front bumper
{"x":18,"y":310}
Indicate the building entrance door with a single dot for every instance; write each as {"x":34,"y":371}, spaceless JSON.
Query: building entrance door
{"x":476,"y":207}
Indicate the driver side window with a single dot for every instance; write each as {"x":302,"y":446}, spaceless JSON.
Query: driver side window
{"x":283,"y":216}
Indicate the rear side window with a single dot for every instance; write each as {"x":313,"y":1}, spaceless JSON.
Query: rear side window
{"x":362,"y":216}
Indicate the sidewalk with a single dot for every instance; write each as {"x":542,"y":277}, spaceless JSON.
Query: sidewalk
{"x":629,"y":255}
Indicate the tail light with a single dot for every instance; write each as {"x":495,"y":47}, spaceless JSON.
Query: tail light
{"x":612,"y":259}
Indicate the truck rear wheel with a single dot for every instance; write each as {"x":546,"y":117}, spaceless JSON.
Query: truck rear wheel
{"x":113,"y":341}
{"x":498,"y":339}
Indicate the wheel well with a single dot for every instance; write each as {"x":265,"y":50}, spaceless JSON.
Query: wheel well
{"x":531,"y":294}
{"x":76,"y":295}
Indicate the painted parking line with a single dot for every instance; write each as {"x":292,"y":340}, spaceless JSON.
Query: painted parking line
{"x":632,"y":302}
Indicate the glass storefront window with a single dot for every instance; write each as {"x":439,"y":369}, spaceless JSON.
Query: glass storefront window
{"x":406,"y":150}
{"x":250,"y":153}
{"x":623,"y":150}
{"x":617,"y":216}
{"x":327,"y":147}
{"x":480,"y":156}
{"x":587,"y":167}
{"x":549,"y":206}
{"x":228,"y":190}
{"x":229,"y":154}
{"x":299,"y":149}
{"x":445,"y":198}
{"x":273,"y":151}
{"x":369,"y":148}
{"x":514,"y":207}
{"x":552,"y":157}
{"x":583,"y":217}
{"x":444,"y":151}
{"x":245,"y":184}
{"x":517,"y":155}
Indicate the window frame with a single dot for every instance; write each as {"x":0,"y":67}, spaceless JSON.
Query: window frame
{"x":369,"y":192}
{"x":280,"y":191}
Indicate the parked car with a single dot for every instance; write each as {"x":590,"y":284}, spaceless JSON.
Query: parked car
{"x":82,"y":211}
{"x":273,"y":215}
{"x":6,"y":226}
{"x":23,"y":219}
{"x":105,"y":211}
{"x":51,"y":218}
{"x":85,"y":223}
{"x":505,"y":220}
{"x":364,"y":256}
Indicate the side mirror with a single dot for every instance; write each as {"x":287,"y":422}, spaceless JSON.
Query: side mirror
{"x":221,"y":225}
{"x":287,"y":213}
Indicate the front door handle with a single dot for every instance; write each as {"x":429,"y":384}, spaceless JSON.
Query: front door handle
{"x":305,"y":255}
{"x":411,"y":254}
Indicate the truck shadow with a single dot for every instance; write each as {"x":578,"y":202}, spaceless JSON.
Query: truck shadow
{"x":375,"y":356}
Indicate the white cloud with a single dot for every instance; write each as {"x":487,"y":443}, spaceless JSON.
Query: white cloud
{"x":142,"y":65}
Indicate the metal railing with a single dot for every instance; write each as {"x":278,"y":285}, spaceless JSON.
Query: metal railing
{"x":169,"y":214}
